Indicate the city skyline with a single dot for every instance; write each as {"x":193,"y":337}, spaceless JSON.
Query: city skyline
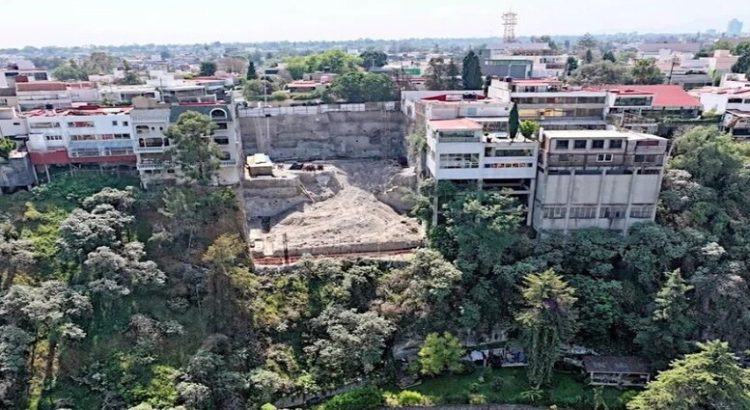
{"x":86,"y":22}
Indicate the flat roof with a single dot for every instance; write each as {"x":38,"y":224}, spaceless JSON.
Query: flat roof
{"x":455,"y":125}
{"x":80,"y":111}
{"x":603,"y":134}
{"x":42,"y":86}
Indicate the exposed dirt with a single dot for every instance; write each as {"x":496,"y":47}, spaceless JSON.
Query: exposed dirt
{"x":343,"y":213}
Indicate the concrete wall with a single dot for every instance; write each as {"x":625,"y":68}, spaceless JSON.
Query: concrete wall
{"x":346,"y":135}
{"x":17,"y":171}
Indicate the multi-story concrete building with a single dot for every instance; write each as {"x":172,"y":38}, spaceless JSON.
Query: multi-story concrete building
{"x":124,"y":94}
{"x":490,"y":113}
{"x":734,"y":28}
{"x":737,"y":123}
{"x":553,"y":105}
{"x":723,"y":99}
{"x":597,"y":179}
{"x":150,"y":122}
{"x":43,"y":94}
{"x":460,"y":151}
{"x":522,"y":61}
{"x":86,"y":136}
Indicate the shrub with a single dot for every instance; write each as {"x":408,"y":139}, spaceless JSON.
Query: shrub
{"x":279,"y":96}
{"x":477,"y":399}
{"x":268,"y":406}
{"x":407,"y":398}
{"x":366,"y":398}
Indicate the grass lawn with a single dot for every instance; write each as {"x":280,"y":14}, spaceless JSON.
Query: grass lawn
{"x":507,"y":386}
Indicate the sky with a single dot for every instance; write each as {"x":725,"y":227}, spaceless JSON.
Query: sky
{"x":104,"y":22}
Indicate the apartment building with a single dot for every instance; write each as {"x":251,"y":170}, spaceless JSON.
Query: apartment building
{"x":460,"y":151}
{"x":597,"y":179}
{"x":124,"y":94}
{"x":85,"y":136}
{"x":553,"y":105}
{"x":522,"y":61}
{"x":737,"y":123}
{"x":43,"y":94}
{"x":492,"y":114}
{"x":723,"y":99}
{"x":641,"y":108}
{"x":152,"y":147}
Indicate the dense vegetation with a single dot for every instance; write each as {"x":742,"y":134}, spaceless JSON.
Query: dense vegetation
{"x":114,"y":297}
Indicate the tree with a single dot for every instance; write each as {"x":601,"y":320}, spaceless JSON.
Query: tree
{"x":194,"y":150}
{"x":710,"y":379}
{"x":83,"y":231}
{"x":207,"y":69}
{"x":452,"y":81}
{"x":528,"y":128}
{"x":548,"y":321}
{"x":513,"y":122}
{"x":373,"y":59}
{"x":70,"y":71}
{"x":571,"y":64}
{"x":600,"y":73}
{"x":359,"y":87}
{"x":346,"y":343}
{"x":588,"y":57}
{"x":18,"y":256}
{"x":587,"y":41}
{"x":436,"y":74}
{"x":7,"y":145}
{"x":665,"y":334}
{"x":252,"y":73}
{"x":365,"y":398}
{"x":472,"y":72}
{"x":742,"y":48}
{"x":609,"y":56}
{"x":440,"y":354}
{"x":226,"y":253}
{"x":14,"y":350}
{"x":646,"y":72}
{"x":130,"y":77}
{"x":601,"y":312}
{"x":742,"y":65}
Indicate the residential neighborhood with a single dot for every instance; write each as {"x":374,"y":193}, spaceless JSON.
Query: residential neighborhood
{"x":527,"y":210}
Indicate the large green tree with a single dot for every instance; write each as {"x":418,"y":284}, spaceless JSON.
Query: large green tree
{"x":357,"y":87}
{"x":711,"y":379}
{"x":666,"y":332}
{"x":207,"y":69}
{"x":472,"y":72}
{"x":646,"y":72}
{"x":452,"y":80}
{"x":548,"y":321}
{"x":600,"y":73}
{"x":441,"y":353}
{"x":373,"y":59}
{"x":194,"y":150}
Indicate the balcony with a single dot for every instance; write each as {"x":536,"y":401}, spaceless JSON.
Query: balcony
{"x":604,"y":159}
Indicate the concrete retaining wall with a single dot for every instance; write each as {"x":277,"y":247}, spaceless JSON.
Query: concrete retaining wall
{"x":353,"y":248}
{"x":328,"y":135}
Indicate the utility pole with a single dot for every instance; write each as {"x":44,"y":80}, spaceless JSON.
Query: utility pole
{"x":675,"y":61}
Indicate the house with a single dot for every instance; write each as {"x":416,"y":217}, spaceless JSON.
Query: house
{"x":553,"y":105}
{"x":721,"y":99}
{"x":83,"y":137}
{"x":43,"y":94}
{"x":597,"y":179}
{"x":626,"y":371}
{"x":522,"y":61}
{"x":641,"y":108}
{"x":460,"y":151}
{"x":737,"y":123}
{"x":305,"y":86}
{"x":83,"y":92}
{"x":151,"y":145}
{"x":124,"y":94}
{"x":491,"y":113}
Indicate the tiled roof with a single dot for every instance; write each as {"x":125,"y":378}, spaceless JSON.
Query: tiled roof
{"x":664,"y":95}
{"x":455,"y":125}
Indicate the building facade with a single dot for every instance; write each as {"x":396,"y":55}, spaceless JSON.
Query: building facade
{"x":460,"y":151}
{"x":597,"y":179}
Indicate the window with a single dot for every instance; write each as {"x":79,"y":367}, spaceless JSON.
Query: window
{"x":554,"y":212}
{"x":512,"y":153}
{"x":222,"y":141}
{"x":561,"y":144}
{"x":613,"y":212}
{"x":453,"y":161}
{"x":639,"y":159}
{"x":53,"y":137}
{"x":225,"y":156}
{"x":735,"y":101}
{"x":649,"y":143}
{"x":118,"y":151}
{"x":597,"y":144}
{"x":564,"y":157}
{"x":642,"y":211}
{"x":42,"y":125}
{"x":114,"y":123}
{"x":604,"y":158}
{"x":124,"y":123}
{"x":81,"y":124}
{"x":122,"y":136}
{"x":615,"y":144}
{"x":221,"y":126}
{"x":583,"y":212}
{"x":579,"y":144}
{"x":16,"y":124}
{"x":84,"y":137}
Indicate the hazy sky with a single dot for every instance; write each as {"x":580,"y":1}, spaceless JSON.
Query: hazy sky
{"x":81,"y":22}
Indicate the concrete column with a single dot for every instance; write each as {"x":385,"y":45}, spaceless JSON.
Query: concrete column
{"x":630,"y":201}
{"x":46,"y":171}
{"x":571,"y":189}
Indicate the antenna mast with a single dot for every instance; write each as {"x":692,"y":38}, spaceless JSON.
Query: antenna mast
{"x":510,"y":20}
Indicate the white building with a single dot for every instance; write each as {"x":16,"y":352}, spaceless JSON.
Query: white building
{"x":721,"y":100}
{"x":118,"y":94}
{"x":461,"y":152}
{"x":89,"y":136}
{"x":553,"y":105}
{"x":597,"y":179}
{"x":43,"y":94}
{"x":151,"y":121}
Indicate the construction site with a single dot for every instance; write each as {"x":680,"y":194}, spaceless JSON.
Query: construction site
{"x":331,"y":208}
